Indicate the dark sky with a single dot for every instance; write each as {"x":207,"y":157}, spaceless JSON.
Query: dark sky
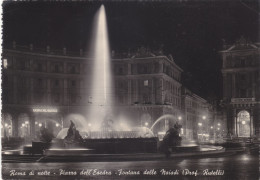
{"x":192,"y":32}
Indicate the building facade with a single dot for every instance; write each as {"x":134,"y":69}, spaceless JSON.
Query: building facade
{"x":45,"y":88}
{"x":198,"y":116}
{"x":241,"y":82}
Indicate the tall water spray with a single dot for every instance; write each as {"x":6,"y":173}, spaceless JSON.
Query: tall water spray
{"x":102,"y":85}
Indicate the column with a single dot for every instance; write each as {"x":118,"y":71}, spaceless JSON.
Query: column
{"x":32,"y":125}
{"x":65,"y":94}
{"x":160,"y":67}
{"x":233,"y":86}
{"x":129,"y":69}
{"x":129,"y":91}
{"x":252,"y":129}
{"x":136,"y":90}
{"x":153,"y":91}
{"x":14,"y":89}
{"x":31,"y":91}
{"x":15,"y":127}
{"x":48,"y":68}
{"x":235,"y":127}
{"x":49,"y":91}
{"x":162,"y":91}
{"x":253,"y":84}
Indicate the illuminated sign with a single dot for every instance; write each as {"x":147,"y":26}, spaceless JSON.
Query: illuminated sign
{"x":44,"y":110}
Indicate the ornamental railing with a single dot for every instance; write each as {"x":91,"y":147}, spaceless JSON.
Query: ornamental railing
{"x":242,"y":100}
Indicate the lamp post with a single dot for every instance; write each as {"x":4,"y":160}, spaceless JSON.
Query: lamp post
{"x":27,"y":127}
{"x":5,"y":130}
{"x":199,"y":128}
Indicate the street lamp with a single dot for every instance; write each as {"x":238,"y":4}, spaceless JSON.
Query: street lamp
{"x":203,"y":117}
{"x":200,"y":124}
{"x":27,"y":128}
{"x":40,"y":124}
{"x":211,"y":127}
{"x":179,"y":118}
{"x":219,"y":124}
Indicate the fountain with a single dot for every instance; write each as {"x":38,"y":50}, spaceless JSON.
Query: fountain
{"x":172,"y":139}
{"x":101,"y":107}
{"x":102,"y":132}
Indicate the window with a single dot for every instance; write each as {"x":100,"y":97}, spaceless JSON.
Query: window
{"x":73,"y":98}
{"x":56,"y":68}
{"x":120,"y":71}
{"x":56,"y":98}
{"x":243,"y":77}
{"x":5,"y":64}
{"x":39,"y":67}
{"x":120,"y":85}
{"x":73,"y":83}
{"x":73,"y":70}
{"x":243,"y":62}
{"x":146,"y":82}
{"x":57,"y":82}
{"x":40,"y":82}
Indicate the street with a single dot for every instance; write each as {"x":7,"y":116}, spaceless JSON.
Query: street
{"x":240,"y":166}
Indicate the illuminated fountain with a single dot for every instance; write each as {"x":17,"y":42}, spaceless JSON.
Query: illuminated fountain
{"x":102,"y":133}
{"x":172,"y":137}
{"x":100,"y":110}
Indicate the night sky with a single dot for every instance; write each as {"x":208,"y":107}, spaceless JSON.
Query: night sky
{"x":192,"y":32}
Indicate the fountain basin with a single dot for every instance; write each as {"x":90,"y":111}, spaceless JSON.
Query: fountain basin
{"x":110,"y":145}
{"x":191,"y":148}
{"x":68,"y":152}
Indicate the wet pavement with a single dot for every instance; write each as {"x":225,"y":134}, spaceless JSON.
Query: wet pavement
{"x":241,"y":166}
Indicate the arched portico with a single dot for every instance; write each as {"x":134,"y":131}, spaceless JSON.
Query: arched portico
{"x":7,"y":125}
{"x":243,"y":125}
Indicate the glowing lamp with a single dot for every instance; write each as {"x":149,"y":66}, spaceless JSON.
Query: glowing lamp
{"x":243,"y":122}
{"x":6,"y":124}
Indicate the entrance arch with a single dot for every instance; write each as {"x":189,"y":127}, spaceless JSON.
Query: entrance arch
{"x":6,"y":125}
{"x":243,"y":124}
{"x":24,"y":125}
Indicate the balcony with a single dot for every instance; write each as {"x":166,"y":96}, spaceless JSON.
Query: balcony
{"x":243,"y":101}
